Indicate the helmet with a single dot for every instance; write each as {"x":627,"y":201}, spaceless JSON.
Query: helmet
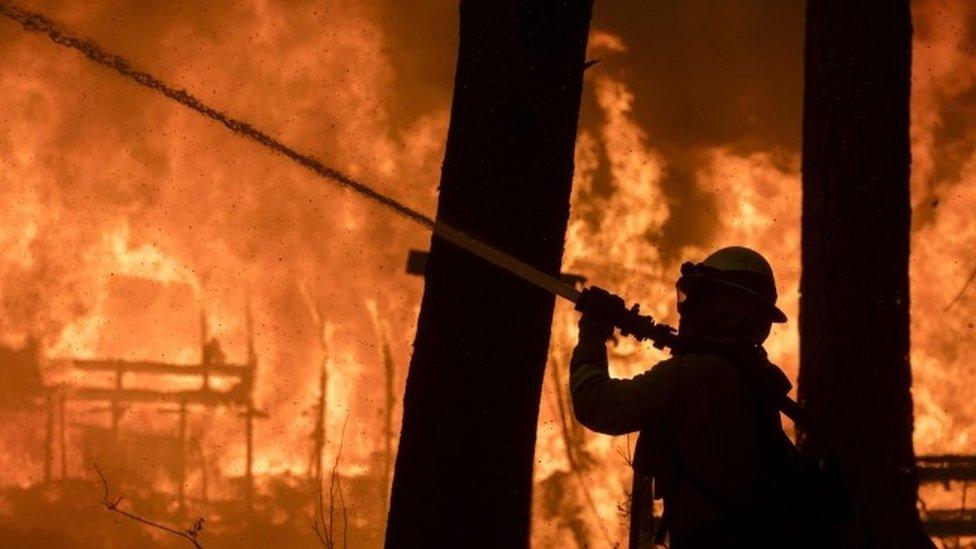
{"x":736,"y":267}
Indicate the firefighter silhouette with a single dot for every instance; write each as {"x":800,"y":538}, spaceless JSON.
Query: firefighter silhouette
{"x":710,"y":430}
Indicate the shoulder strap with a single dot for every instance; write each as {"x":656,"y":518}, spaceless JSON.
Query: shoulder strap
{"x":801,"y":417}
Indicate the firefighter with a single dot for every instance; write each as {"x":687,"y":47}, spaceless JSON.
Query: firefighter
{"x":709,"y":426}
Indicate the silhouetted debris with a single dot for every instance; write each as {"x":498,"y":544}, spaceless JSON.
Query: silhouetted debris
{"x":112,"y":504}
{"x":324,"y":524}
{"x":20,"y":375}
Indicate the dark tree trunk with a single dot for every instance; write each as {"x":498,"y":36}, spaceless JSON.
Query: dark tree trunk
{"x":854,"y":307}
{"x":463,"y":475}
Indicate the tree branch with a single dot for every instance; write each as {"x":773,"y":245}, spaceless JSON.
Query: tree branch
{"x":190,"y":534}
{"x":962,"y":291}
{"x":325,"y":528}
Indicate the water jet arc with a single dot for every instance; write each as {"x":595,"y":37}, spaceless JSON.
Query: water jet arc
{"x":41,"y":24}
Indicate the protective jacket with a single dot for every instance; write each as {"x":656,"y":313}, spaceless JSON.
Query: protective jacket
{"x":708,"y":423}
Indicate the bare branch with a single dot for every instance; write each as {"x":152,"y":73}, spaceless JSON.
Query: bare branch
{"x":625,"y":452}
{"x":325,"y":528}
{"x":190,"y":534}
{"x":962,"y":291}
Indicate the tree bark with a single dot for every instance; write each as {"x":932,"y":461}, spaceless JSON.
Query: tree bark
{"x":463,"y":475}
{"x":854,"y":308}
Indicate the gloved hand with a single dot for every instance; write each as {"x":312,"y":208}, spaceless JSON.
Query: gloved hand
{"x":597,"y":306}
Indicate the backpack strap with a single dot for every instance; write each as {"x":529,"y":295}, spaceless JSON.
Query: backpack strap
{"x":740,"y":356}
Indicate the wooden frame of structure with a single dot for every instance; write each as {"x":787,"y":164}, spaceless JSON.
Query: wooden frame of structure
{"x":118,"y":397}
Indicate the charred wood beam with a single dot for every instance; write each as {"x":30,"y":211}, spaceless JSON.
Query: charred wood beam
{"x":62,"y":437}
{"x":181,"y":479}
{"x":210,"y":398}
{"x":946,"y":468}
{"x":49,"y":439}
{"x":249,"y":415}
{"x":951,"y":524}
{"x":162,"y":368}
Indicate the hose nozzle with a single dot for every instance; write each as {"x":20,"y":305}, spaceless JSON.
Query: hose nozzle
{"x":599,"y":302}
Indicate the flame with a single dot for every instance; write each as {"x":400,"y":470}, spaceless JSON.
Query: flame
{"x":758,"y":197}
{"x":123,"y":220}
{"x":943,"y":176}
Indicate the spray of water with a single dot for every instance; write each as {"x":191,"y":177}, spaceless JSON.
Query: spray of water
{"x":41,"y":24}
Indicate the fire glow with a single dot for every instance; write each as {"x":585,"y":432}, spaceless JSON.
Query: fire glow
{"x":133,"y":230}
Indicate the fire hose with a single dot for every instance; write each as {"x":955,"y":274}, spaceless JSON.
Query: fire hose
{"x":591,"y":300}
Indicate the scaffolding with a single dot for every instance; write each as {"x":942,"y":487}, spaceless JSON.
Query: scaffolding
{"x":949,"y":469}
{"x":215,"y":383}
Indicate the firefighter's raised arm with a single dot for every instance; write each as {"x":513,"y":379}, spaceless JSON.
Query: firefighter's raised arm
{"x":605,"y":405}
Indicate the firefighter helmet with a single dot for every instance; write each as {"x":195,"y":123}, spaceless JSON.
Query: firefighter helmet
{"x":737,"y":267}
